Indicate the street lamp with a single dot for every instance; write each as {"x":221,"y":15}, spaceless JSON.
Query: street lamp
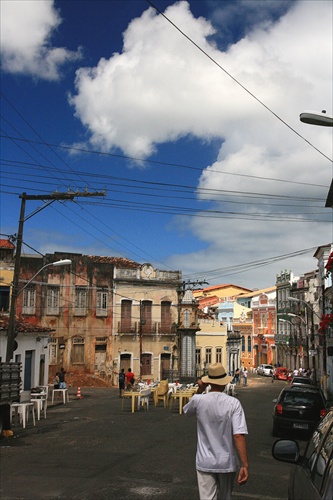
{"x":11,"y":324}
{"x":292,"y":315}
{"x":316,"y":118}
{"x":295,"y":299}
{"x":64,"y":262}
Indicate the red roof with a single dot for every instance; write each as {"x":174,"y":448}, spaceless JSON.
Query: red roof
{"x":116,"y":261}
{"x":208,"y":301}
{"x":6,"y":244}
{"x":22,"y":326}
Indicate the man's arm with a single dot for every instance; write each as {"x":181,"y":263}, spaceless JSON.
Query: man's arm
{"x":240,"y":444}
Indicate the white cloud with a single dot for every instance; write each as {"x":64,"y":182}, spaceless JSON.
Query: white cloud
{"x":26,"y":30}
{"x":161,"y":88}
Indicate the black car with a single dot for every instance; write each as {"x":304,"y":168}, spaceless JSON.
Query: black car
{"x":298,"y":408}
{"x":312,"y":476}
{"x":301,"y":380}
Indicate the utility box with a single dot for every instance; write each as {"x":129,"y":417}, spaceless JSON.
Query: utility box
{"x":10,"y":382}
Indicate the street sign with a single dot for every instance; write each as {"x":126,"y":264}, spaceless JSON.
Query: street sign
{"x":312,"y":352}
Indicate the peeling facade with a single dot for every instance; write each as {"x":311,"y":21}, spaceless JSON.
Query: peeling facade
{"x":107,"y":313}
{"x":145,"y":305}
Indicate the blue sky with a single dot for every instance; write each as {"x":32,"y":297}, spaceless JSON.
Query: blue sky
{"x":192,"y":128}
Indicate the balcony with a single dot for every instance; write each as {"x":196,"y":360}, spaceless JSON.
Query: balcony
{"x":128,"y":328}
{"x":153,"y":328}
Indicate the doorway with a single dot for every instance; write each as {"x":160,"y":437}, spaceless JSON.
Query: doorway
{"x":28,"y":370}
{"x":165,"y":366}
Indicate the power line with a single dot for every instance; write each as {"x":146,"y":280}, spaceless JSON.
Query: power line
{"x":237,"y":81}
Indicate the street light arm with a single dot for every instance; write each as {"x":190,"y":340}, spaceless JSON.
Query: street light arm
{"x":294,"y":299}
{"x":299,"y":317}
{"x":65,"y":262}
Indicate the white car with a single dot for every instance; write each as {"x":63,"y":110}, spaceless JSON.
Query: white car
{"x":265,"y":370}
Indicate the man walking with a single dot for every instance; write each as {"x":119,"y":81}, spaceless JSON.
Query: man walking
{"x":221,"y":430}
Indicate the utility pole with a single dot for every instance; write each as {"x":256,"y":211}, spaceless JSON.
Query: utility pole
{"x":70,"y":195}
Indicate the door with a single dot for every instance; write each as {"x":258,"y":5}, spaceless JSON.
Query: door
{"x":100,"y":356}
{"x":41,"y":369}
{"x":27,"y":383}
{"x":165,"y":365}
{"x":125,"y":362}
{"x":146,"y":364}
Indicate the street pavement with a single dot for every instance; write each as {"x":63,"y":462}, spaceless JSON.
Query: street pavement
{"x":92,"y":449}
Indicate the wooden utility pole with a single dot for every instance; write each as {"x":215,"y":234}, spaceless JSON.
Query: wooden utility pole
{"x":50,"y":198}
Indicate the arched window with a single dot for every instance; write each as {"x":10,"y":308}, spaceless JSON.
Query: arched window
{"x":187,"y":318}
{"x":243,"y":343}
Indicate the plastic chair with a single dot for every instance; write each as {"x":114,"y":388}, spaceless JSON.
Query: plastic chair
{"x":161,"y":393}
{"x":143,"y":399}
{"x":22,"y":409}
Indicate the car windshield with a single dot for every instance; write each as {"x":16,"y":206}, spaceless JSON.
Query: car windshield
{"x":301,"y":398}
{"x":297,"y":380}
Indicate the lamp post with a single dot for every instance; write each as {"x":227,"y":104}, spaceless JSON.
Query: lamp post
{"x":15,"y":293}
{"x":313,"y":313}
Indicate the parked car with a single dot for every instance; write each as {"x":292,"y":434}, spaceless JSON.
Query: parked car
{"x":294,"y":387}
{"x":312,"y":475}
{"x":298,"y":408}
{"x":265,"y":370}
{"x":282,"y":373}
{"x":298,"y":379}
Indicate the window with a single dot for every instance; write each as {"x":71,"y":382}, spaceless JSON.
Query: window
{"x":198,"y":358}
{"x":219,"y":355}
{"x":80,"y":301}
{"x":4,"y":298}
{"x":145,"y":316}
{"x":52,"y":306}
{"x":126,"y":317}
{"x":102,"y":303}
{"x":78,"y":350}
{"x":53,"y":351}
{"x":263,"y":319}
{"x":187,"y":318}
{"x":165,"y":317}
{"x":243,"y":343}
{"x":249,"y":344}
{"x":208,"y":356}
{"x":29,"y":300}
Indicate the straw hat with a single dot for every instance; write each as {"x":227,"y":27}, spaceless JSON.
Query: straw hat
{"x":216,"y":375}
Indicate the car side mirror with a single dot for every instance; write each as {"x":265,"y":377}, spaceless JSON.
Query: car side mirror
{"x":286,"y":450}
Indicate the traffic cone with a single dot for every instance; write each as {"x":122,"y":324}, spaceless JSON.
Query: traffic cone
{"x":78,"y":395}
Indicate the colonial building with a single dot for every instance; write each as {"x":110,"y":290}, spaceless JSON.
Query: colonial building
{"x":6,"y":273}
{"x":264,"y":325}
{"x":145,"y":320}
{"x":211,"y":343}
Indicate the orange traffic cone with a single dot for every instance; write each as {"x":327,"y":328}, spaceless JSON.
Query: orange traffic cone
{"x":78,"y":395}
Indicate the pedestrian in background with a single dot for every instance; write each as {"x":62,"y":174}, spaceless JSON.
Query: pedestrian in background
{"x":121,"y":382}
{"x":236,"y":377}
{"x":245,"y":374}
{"x":130,"y":379}
{"x":62,"y":383}
{"x":221,"y":430}
{"x":56,"y":381}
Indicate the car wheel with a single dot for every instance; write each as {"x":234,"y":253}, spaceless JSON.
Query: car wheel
{"x":275,"y":431}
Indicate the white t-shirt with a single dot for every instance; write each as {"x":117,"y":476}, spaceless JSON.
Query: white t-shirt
{"x":219,"y":417}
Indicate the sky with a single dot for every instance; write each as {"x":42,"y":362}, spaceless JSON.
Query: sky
{"x":187,"y":115}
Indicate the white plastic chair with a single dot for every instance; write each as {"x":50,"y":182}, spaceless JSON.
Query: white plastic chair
{"x":143,"y":399}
